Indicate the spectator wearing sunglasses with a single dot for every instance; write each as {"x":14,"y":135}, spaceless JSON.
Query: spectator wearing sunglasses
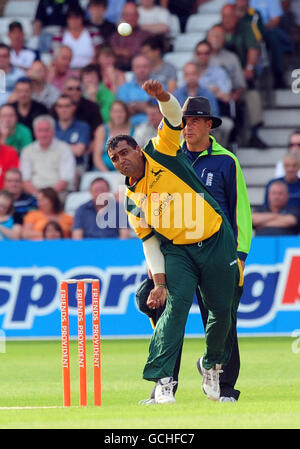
{"x":86,"y":110}
{"x":293,"y":147}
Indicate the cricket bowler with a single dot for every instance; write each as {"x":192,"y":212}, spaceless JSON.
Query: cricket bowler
{"x":187,"y":241}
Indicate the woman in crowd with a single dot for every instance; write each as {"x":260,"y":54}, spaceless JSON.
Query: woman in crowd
{"x":8,"y":229}
{"x":119,"y":124}
{"x":49,"y":208}
{"x":112,"y":77}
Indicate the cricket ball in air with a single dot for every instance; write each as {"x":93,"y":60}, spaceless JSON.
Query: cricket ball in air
{"x":125,"y":29}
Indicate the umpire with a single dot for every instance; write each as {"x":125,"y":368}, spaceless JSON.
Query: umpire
{"x":220,"y":172}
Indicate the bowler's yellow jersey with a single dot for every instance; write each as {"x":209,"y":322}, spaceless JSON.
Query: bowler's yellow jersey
{"x":169,"y":200}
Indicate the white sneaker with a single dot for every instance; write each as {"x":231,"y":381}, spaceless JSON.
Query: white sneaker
{"x":149,"y":401}
{"x":164,"y":391}
{"x":210,"y":383}
{"x":227,"y":399}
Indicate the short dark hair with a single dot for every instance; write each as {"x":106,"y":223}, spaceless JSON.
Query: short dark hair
{"x":9,"y":105}
{"x":56,"y":226}
{"x":10,"y":197}
{"x":100,"y":179}
{"x":64,"y":96}
{"x":296,"y":131}
{"x":24,"y":79}
{"x":113,"y":142}
{"x":98,"y":3}
{"x":204,"y":42}
{"x":155,"y":43}
{"x":3,"y":45}
{"x":16,"y":171}
{"x":13,"y":25}
{"x":91,"y":68}
{"x":75,"y":10}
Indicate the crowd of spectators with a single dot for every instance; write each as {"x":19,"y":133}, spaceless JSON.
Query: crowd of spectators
{"x":76,"y":82}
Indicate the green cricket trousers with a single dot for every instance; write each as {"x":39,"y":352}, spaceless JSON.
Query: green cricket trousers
{"x":213,"y":265}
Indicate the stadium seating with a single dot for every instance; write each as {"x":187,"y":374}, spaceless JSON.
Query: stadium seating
{"x":174,"y":27}
{"x":178,"y":59}
{"x":187,"y":42}
{"x":114,"y":179}
{"x":202,"y":22}
{"x":212,"y":6}
{"x":74,"y":200}
{"x":20,"y":8}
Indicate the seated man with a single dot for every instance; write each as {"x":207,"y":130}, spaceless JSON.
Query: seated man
{"x":277,"y":41}
{"x":277,"y":218}
{"x":20,"y":56}
{"x":86,"y":110}
{"x":75,"y":133}
{"x":43,"y":91}
{"x":193,"y":88}
{"x":127,"y":47}
{"x":23,"y":202}
{"x":26,"y":108}
{"x":215,"y":79}
{"x":95,"y":90}
{"x":293,"y":147}
{"x":131,"y":92}
{"x":59,"y":70}
{"x":12,"y":74}
{"x":12,"y":132}
{"x":162,"y":71}
{"x":97,"y":20}
{"x":145,"y":131}
{"x":229,"y":61}
{"x":92,"y":219}
{"x":47,"y":162}
{"x":291,"y":165}
{"x":242,"y":40}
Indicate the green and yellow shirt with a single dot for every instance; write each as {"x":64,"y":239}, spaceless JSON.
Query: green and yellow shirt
{"x":169,"y":200}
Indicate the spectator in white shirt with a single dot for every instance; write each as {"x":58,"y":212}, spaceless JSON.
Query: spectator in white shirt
{"x":77,"y":37}
{"x":154,"y":19}
{"x":20,"y":56}
{"x":47,"y":162}
{"x":12,"y":74}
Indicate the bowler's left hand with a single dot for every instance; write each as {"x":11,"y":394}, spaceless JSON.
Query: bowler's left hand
{"x":157,"y":297}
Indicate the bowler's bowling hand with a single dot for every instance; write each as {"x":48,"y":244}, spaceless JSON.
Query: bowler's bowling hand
{"x":157,"y":297}
{"x":156,"y":90}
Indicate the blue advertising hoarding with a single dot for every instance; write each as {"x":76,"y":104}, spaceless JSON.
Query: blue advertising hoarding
{"x":30,"y":275}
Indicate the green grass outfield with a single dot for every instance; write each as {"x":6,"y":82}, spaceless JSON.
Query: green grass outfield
{"x":31,"y":376}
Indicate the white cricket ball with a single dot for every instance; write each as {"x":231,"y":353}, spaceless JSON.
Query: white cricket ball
{"x":125,"y":29}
